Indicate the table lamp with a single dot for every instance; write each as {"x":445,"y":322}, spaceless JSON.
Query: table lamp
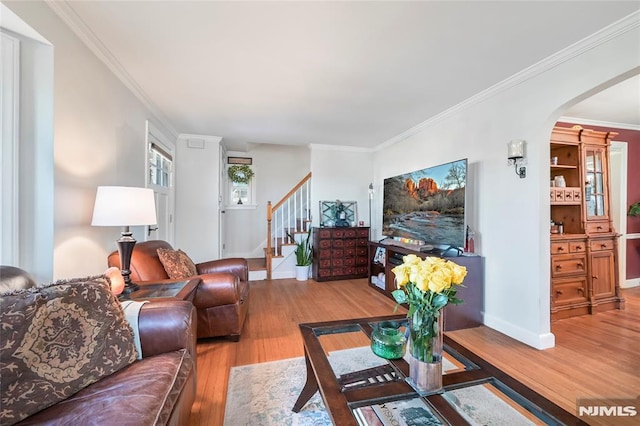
{"x":124,"y":206}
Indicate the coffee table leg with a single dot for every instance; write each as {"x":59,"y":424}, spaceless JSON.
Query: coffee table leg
{"x":310,"y":387}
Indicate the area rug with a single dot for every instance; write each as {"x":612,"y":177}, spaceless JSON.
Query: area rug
{"x":263,"y":394}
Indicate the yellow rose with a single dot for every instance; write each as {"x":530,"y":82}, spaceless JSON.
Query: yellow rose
{"x":411,"y":259}
{"x":422,"y":282}
{"x":440,"y":280}
{"x":458,"y":273}
{"x":435,"y":262}
{"x":402,"y":275}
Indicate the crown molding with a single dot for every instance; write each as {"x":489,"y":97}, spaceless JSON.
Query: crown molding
{"x":343,"y":148}
{"x":628,"y":23}
{"x":587,"y":122}
{"x":65,"y":11}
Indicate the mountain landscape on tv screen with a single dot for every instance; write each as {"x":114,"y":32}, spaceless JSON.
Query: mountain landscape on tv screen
{"x":427,"y":205}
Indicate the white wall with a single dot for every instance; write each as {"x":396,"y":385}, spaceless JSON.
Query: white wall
{"x":98,"y":139}
{"x":511,"y":214}
{"x":197,"y":180}
{"x":341,"y":174}
{"x":278,"y":168}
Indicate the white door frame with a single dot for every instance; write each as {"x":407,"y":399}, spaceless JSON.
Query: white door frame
{"x":9,"y":160}
{"x":153,"y":134}
{"x":222,"y":208}
{"x":618,"y":156}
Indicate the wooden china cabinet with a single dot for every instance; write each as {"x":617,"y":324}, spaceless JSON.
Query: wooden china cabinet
{"x":584,"y":245}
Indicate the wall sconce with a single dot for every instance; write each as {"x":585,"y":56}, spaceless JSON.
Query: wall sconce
{"x":516,"y":156}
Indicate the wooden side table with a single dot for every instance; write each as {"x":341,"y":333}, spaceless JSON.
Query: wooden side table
{"x":173,"y":290}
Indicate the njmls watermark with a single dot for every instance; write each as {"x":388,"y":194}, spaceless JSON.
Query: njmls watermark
{"x":618,"y":407}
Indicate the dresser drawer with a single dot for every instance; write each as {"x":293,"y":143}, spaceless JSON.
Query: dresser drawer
{"x":324,"y":244}
{"x":337,"y":233}
{"x":577,"y":246}
{"x":601,"y":245}
{"x":350,"y":233}
{"x":324,"y":254}
{"x":362,"y":261}
{"x":567,"y":291}
{"x":363,"y":233}
{"x":337,"y":243}
{"x":596,"y":227}
{"x":324,"y":233}
{"x":577,"y":195}
{"x":575,"y":264}
{"x":559,"y":248}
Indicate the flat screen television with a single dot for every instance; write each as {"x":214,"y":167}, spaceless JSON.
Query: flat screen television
{"x":427,"y":206}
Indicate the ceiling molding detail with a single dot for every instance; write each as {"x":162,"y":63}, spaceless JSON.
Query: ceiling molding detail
{"x":587,"y":122}
{"x":95,"y":45}
{"x":598,"y":38}
{"x":343,"y":148}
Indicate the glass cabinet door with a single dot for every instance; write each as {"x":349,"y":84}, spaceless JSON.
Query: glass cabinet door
{"x":595,"y":184}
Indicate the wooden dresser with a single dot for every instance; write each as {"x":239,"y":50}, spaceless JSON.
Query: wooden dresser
{"x":584,"y":250}
{"x":340,"y":253}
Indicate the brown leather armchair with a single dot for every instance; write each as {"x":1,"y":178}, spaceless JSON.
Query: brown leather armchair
{"x":222,"y":297}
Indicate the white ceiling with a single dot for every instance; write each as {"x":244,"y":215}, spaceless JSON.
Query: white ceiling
{"x":617,"y":104}
{"x":338,"y":73}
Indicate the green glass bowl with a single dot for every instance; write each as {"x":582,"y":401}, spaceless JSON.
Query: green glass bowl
{"x":388,"y":340}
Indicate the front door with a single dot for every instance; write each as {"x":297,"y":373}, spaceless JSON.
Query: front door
{"x":160,"y":178}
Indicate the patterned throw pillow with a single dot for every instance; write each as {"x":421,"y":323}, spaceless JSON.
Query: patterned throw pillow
{"x":56,"y":340}
{"x":177,"y":264}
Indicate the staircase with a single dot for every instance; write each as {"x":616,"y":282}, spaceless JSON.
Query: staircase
{"x":290,"y":215}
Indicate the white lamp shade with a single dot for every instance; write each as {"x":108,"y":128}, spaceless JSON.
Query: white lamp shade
{"x":124,"y":206}
{"x":515,"y":149}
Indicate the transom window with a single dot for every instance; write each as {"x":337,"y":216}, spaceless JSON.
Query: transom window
{"x":160,"y":166}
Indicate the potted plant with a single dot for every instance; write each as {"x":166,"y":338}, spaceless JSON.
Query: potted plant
{"x":304,"y":256}
{"x":634,"y":209}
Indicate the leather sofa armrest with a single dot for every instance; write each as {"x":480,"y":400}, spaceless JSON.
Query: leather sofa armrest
{"x":167,"y":326}
{"x":234,"y":265}
{"x":216,"y":290}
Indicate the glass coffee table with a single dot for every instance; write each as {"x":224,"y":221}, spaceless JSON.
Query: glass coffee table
{"x":359,"y":388}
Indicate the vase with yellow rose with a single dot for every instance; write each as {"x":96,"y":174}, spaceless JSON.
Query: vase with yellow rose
{"x":427,"y":286}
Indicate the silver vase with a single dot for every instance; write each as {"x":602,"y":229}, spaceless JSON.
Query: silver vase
{"x":425,"y":360}
{"x":425,"y":377}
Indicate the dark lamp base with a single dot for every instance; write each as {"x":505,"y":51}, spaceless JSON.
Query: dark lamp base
{"x":130,"y":288}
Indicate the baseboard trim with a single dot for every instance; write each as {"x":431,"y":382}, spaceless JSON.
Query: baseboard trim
{"x":635,"y":282}
{"x":538,"y":341}
{"x":277,"y":275}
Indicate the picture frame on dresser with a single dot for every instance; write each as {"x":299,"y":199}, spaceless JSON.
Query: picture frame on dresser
{"x":328,"y":211}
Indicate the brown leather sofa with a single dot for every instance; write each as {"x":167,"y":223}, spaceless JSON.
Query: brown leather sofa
{"x":222,"y":298}
{"x":158,"y":389}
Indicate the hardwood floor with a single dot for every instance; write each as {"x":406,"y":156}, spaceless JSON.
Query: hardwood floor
{"x":595,"y":356}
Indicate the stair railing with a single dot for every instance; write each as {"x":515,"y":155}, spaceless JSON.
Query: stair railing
{"x":289,"y":215}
